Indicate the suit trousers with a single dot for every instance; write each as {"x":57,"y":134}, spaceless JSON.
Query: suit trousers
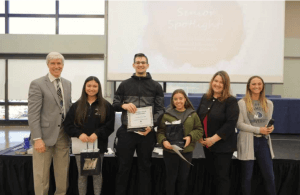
{"x":42,"y":162}
{"x":219,"y":166}
{"x":128,"y":142}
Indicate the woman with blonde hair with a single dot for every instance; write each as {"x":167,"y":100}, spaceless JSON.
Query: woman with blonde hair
{"x":219,"y":111}
{"x":254,"y":141}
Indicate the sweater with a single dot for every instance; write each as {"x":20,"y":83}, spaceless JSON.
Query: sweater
{"x":245,"y":143}
{"x":192,"y":127}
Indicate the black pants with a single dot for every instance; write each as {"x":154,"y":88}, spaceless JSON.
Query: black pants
{"x":127,"y":144}
{"x":219,"y":166}
{"x":177,"y":172}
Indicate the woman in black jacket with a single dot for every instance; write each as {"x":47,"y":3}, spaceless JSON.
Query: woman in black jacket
{"x":218,"y":112}
{"x":90,"y":118}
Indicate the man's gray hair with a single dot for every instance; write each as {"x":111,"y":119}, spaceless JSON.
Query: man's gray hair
{"x":55,"y":55}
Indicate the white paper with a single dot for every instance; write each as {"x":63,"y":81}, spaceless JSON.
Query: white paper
{"x":177,"y":149}
{"x":173,"y":122}
{"x":159,"y":151}
{"x":138,"y":132}
{"x":235,"y":154}
{"x":30,"y":151}
{"x":141,"y":118}
{"x":90,"y":150}
{"x":110,"y":151}
{"x":176,"y":122}
{"x":78,"y":146}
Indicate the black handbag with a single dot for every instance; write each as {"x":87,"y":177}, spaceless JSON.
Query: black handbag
{"x":90,"y":163}
{"x":175,"y":135}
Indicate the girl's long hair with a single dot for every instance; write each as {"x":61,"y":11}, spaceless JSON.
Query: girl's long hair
{"x":262,"y":96}
{"x":82,"y":107}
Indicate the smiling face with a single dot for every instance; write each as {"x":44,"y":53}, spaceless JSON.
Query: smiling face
{"x":140,"y":65}
{"x":256,"y":86}
{"x":179,"y":101}
{"x":91,"y":88}
{"x":55,"y":67}
{"x":217,"y":85}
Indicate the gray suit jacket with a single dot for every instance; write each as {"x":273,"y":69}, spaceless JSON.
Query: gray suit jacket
{"x":44,"y":112}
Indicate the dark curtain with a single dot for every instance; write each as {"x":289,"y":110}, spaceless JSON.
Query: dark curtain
{"x":16,"y":177}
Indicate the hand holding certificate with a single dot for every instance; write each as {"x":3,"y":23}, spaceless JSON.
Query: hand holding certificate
{"x":141,"y":118}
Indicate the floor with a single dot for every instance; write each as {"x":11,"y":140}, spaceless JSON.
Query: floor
{"x":12,"y":135}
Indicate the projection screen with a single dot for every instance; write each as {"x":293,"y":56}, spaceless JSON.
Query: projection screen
{"x":188,"y":41}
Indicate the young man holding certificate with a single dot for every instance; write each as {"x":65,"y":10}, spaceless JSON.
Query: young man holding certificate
{"x":139,"y":91}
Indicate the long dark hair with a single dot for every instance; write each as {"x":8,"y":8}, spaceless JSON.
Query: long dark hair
{"x":187,"y":103}
{"x":82,"y":107}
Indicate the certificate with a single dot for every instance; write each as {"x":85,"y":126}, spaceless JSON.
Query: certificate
{"x":141,"y":118}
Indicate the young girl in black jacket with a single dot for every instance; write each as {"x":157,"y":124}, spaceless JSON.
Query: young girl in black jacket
{"x":90,"y":118}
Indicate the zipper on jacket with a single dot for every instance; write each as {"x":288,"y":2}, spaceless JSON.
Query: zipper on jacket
{"x":139,"y":88}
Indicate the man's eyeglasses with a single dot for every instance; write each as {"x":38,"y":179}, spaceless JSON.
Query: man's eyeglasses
{"x":142,"y":62}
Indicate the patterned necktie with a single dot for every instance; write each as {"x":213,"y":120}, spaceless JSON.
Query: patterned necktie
{"x":61,"y":102}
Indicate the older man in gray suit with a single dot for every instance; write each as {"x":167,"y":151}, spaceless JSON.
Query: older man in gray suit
{"x":49,"y":100}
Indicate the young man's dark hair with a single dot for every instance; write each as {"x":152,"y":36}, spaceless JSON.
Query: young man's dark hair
{"x":140,"y":55}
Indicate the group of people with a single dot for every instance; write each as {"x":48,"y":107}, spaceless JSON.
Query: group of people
{"x":53,"y":119}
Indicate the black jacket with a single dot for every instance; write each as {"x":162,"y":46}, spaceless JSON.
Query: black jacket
{"x":142,"y":92}
{"x":92,"y":124}
{"x":221,"y":119}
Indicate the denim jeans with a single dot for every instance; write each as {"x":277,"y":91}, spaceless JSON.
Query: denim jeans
{"x":264,"y":161}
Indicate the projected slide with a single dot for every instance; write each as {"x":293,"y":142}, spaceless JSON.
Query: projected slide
{"x":191,"y":40}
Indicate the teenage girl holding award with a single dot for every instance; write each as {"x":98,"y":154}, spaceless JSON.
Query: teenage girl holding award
{"x":188,"y":127}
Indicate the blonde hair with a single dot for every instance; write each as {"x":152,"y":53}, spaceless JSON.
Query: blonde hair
{"x":226,"y":86}
{"x":262,"y":96}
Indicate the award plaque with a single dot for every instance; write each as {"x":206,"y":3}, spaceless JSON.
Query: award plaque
{"x":141,"y":118}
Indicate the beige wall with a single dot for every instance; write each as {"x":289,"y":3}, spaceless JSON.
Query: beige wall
{"x":292,"y":19}
{"x":66,"y":44}
{"x":291,"y":79}
{"x":291,"y":86}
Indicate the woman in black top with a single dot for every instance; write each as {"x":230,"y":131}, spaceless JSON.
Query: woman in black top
{"x":90,"y":118}
{"x":219,"y":111}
